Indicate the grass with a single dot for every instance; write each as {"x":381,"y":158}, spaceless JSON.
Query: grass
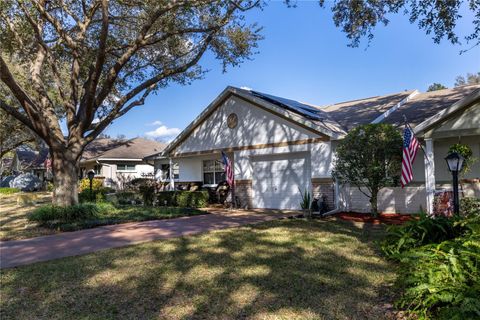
{"x":286,"y":269}
{"x":14,"y":209}
{"x":14,"y":224}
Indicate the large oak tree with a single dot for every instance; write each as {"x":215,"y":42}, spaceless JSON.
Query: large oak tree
{"x":83,"y":60}
{"x":80,"y":60}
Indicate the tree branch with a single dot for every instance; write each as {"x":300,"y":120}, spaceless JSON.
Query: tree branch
{"x":17,"y":114}
{"x":148,"y":86}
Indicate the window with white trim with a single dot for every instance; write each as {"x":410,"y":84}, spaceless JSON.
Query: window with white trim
{"x":213,"y":172}
{"x":125,"y":167}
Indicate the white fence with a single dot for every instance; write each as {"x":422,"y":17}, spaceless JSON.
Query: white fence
{"x":396,"y":200}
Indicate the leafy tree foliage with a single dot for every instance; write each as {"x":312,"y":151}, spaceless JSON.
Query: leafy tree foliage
{"x":358,"y":18}
{"x":471,"y":78}
{"x":369,"y":158}
{"x":98,"y":59}
{"x":13,"y":134}
{"x":436,"y":86}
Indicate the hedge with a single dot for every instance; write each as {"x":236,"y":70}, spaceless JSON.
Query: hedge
{"x":186,"y":199}
{"x":79,"y":212}
{"x":9,"y":190}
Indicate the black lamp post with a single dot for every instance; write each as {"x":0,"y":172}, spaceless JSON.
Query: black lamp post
{"x":455,"y":163}
{"x":91,"y":175}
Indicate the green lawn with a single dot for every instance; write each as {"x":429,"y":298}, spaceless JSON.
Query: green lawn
{"x":286,"y":269}
{"x":14,"y":224}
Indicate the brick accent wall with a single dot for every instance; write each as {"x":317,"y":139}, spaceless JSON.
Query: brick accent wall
{"x":244,"y":193}
{"x":324,"y":186}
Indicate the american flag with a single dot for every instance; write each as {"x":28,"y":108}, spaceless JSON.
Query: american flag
{"x":410,"y":148}
{"x":228,"y":169}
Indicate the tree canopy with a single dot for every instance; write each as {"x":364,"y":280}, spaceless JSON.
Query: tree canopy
{"x":369,"y":158}
{"x":469,"y":79}
{"x":97,"y":59}
{"x":359,"y":18}
{"x":436,"y":86}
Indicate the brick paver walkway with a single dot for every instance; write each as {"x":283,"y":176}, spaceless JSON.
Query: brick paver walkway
{"x":27,"y":251}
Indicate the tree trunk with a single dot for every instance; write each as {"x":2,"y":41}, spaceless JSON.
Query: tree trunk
{"x":373,"y":203}
{"x":65,"y":178}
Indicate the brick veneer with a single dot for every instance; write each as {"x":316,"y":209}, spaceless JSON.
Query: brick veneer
{"x":324,"y":186}
{"x":244,"y":193}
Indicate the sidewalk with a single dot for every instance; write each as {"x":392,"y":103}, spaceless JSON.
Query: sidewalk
{"x":27,"y":251}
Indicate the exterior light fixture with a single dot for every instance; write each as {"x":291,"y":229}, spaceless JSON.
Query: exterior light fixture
{"x":91,"y":175}
{"x":455,"y":163}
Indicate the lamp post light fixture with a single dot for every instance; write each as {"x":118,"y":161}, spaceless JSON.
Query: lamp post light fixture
{"x":91,"y":175}
{"x":455,"y":163}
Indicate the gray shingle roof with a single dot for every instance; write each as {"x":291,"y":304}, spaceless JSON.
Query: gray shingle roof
{"x":136,"y":148}
{"x":425,"y":105}
{"x":350,"y":114}
{"x":344,"y":116}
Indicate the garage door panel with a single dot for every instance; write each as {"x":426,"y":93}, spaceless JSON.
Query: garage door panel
{"x":278,"y":179}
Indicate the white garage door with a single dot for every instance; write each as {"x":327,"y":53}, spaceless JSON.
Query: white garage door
{"x":278,"y":179}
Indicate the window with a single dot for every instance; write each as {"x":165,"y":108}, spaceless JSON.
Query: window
{"x":165,"y":168}
{"x":98,"y":169}
{"x":125,"y":167}
{"x":213,"y":172}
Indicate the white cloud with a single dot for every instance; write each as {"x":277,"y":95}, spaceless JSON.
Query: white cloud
{"x":246,"y":88}
{"x":163,"y":132}
{"x":155,"y":123}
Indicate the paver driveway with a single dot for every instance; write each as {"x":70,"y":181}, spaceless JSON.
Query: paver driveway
{"x":27,"y":251}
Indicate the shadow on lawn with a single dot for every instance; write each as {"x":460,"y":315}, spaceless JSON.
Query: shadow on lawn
{"x":283,"y":269}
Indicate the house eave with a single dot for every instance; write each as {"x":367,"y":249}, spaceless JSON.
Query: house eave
{"x":424,"y":127}
{"x":232,"y":91}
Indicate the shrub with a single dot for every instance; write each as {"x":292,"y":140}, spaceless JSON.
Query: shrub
{"x":442,"y":279}
{"x":50,"y":186}
{"x":148,"y":194}
{"x":439,"y":260}
{"x":187,"y":199}
{"x":416,"y":233}
{"x":73,"y":213}
{"x":96,"y":195}
{"x":470,"y":206}
{"x":167,"y":198}
{"x":126,"y":197}
{"x":9,"y":190}
{"x":84,"y":184}
{"x":192,"y":199}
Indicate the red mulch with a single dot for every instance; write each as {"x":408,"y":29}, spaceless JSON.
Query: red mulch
{"x":387,"y":218}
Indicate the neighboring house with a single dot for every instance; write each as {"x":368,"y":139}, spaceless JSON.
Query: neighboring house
{"x":280,"y":147}
{"x":27,"y":160}
{"x":119,"y":161}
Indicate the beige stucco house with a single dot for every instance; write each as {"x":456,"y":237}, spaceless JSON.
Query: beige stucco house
{"x":280,"y":147}
{"x":119,"y":161}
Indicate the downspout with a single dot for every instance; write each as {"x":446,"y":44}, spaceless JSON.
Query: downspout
{"x":337,"y":201}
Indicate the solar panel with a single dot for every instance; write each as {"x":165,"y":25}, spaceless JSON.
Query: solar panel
{"x":292,"y":105}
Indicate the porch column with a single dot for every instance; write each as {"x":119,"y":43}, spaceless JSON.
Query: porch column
{"x":172,"y":177}
{"x":429,"y":175}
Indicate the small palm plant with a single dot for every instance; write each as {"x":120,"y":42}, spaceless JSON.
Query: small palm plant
{"x":306,"y":203}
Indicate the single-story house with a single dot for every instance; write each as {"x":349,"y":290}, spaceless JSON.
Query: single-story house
{"x":26,"y":160}
{"x":280,"y":147}
{"x":119,"y":161}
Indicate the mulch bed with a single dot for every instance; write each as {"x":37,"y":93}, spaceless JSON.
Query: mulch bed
{"x":387,"y":218}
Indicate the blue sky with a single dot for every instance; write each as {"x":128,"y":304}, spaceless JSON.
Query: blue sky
{"x":305,"y":57}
